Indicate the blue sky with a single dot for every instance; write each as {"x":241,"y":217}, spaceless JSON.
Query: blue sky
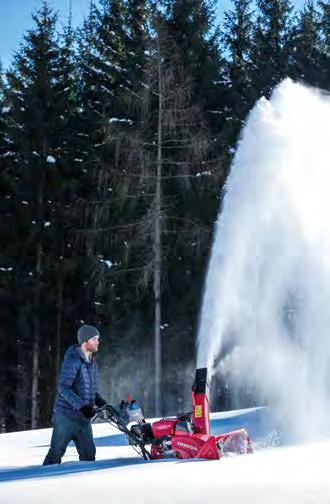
{"x":15,"y":18}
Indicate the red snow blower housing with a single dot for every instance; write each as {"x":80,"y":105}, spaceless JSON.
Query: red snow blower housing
{"x":185,"y":436}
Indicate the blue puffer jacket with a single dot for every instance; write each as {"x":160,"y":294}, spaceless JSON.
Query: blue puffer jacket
{"x":77,"y":385}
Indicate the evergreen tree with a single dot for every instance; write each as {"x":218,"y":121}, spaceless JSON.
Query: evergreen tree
{"x":191,"y":26}
{"x":136,"y":19}
{"x":103,"y":43}
{"x":112,"y":62}
{"x":305,"y":47}
{"x":324,"y":80}
{"x":64,"y":274}
{"x":38,"y":114}
{"x":7,"y":348}
{"x":271,"y":49}
{"x":2,"y":112}
{"x":237,"y":39}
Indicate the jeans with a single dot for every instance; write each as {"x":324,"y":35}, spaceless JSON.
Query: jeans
{"x":67,"y":429}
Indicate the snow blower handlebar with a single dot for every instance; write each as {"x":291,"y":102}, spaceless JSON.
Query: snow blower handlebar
{"x":106,"y":408}
{"x":120,"y":418}
{"x":127,"y":411}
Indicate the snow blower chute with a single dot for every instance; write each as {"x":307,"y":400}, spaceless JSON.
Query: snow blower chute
{"x":184,"y":436}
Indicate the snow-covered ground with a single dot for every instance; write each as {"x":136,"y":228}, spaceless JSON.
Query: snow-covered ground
{"x":285,"y":474}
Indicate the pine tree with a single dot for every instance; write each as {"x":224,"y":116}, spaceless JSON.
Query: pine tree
{"x":67,"y":174}
{"x":237,"y":39}
{"x":38,"y":108}
{"x":271,"y":50}
{"x":103,"y":42}
{"x":191,"y":26}
{"x":2,"y":112}
{"x":324,"y":80}
{"x":136,"y":19}
{"x":6,"y":346}
{"x":111,"y":62}
{"x":305,"y":46}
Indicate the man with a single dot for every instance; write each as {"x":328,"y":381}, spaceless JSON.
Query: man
{"x":76,"y":397}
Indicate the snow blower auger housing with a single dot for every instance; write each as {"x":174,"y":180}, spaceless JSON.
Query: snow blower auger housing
{"x":185,"y":436}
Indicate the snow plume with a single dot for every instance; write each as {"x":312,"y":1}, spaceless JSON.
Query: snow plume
{"x":265,"y":321}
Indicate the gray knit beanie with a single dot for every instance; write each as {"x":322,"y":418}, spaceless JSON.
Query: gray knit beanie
{"x":85,"y":332}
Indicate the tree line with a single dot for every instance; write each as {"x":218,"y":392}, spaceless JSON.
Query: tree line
{"x":115,"y":142}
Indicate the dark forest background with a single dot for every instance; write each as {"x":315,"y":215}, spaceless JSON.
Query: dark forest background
{"x":115,"y":144}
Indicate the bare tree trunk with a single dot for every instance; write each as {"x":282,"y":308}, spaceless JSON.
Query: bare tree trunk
{"x":59,"y":325}
{"x":36,"y":344}
{"x":158,"y":252}
{"x":22,"y":373}
{"x":22,"y":410}
{"x":36,"y":317}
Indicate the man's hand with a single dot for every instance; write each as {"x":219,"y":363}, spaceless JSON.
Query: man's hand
{"x":87,"y":411}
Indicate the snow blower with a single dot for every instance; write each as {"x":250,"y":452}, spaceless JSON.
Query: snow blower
{"x":185,"y":436}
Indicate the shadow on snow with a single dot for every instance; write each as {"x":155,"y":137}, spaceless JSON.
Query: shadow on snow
{"x":114,"y":440}
{"x":65,"y":468}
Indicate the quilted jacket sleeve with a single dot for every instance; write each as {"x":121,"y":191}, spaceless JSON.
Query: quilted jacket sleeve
{"x":69,"y":371}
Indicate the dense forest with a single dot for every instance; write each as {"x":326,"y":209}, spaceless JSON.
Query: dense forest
{"x":115,"y":142}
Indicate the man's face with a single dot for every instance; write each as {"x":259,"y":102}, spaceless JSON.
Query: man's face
{"x":92,"y":344}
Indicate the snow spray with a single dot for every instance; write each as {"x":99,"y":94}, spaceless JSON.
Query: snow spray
{"x":265,"y":320}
